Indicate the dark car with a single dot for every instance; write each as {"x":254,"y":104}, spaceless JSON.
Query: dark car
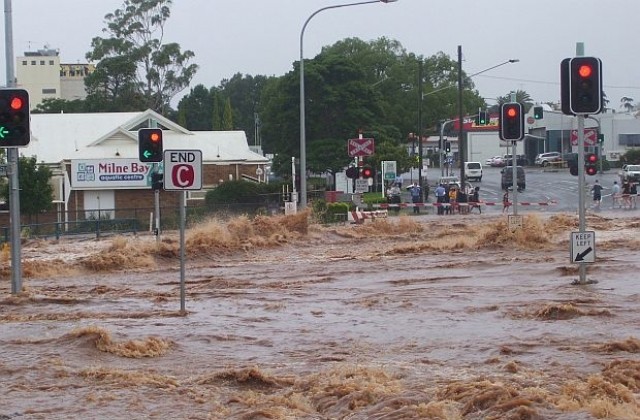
{"x":507,"y":178}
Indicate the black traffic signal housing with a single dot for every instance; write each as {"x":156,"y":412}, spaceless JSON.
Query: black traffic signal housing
{"x":565,"y":94}
{"x":483,"y":118}
{"x":157,"y":181}
{"x":150,"y":145}
{"x":447,"y":146}
{"x":591,"y":164}
{"x":14,"y":118}
{"x":352,"y":172}
{"x":573,"y":167}
{"x":585,"y":85}
{"x":511,"y":121}
{"x":538,"y":112}
{"x":368,"y":172}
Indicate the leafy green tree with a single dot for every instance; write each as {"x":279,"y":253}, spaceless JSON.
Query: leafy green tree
{"x":133,"y":64}
{"x":245,"y":92}
{"x":217,"y":113}
{"x":36,"y":192}
{"x":227,"y":116}
{"x":195,"y":109}
{"x":57,"y":106}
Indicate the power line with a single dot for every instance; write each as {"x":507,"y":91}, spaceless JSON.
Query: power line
{"x":513,"y":79}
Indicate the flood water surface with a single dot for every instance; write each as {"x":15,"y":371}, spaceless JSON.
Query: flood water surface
{"x":404,"y":318}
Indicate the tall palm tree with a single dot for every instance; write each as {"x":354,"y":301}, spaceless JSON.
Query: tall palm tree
{"x":521,"y":97}
{"x":626,"y":103}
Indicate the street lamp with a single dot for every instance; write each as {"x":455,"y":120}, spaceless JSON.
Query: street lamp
{"x":462,"y":145}
{"x":513,"y":60}
{"x":303,"y":139}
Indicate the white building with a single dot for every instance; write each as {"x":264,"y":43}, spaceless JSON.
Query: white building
{"x":44,"y":77}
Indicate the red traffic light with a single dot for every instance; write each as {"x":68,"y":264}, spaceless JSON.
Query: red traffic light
{"x":154,"y":137}
{"x":511,"y":121}
{"x":591,"y":158}
{"x":14,"y":118}
{"x":16,"y":103}
{"x":367,"y":172}
{"x":585,"y":70}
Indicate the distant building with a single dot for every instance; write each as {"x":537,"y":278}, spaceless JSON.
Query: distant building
{"x":44,"y":77}
{"x":95,"y":166}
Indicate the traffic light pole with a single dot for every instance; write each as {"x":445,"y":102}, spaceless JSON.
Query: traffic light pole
{"x":582,"y":268}
{"x":12,"y":159}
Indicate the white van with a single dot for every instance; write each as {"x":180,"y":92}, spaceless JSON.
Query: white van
{"x":473,"y":170}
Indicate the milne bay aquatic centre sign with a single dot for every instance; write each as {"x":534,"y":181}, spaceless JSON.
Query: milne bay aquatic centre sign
{"x":110,"y":173}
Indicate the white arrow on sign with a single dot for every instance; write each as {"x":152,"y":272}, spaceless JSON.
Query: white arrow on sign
{"x":583,"y":247}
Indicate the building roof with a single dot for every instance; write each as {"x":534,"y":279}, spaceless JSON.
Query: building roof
{"x":59,"y":137}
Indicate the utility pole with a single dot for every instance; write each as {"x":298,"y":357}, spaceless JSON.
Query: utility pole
{"x":420,"y":130}
{"x":12,"y":160}
{"x":461,"y":142}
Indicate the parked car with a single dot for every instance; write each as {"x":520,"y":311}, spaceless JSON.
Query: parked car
{"x":473,"y":170}
{"x":546,"y":159}
{"x":449,"y":181}
{"x":507,"y":178}
{"x":494,"y":161}
{"x":521,"y":160}
{"x":630,"y":173}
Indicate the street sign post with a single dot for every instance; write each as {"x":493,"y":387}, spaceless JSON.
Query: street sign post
{"x":583,"y":247}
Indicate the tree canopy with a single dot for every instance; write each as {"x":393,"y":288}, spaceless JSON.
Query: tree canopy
{"x":135,"y":68}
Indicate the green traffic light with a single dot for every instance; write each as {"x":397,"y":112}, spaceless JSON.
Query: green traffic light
{"x":3,"y":132}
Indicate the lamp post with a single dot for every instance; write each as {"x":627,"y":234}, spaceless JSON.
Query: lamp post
{"x":462,"y":144}
{"x":440,"y":145}
{"x":303,"y":139}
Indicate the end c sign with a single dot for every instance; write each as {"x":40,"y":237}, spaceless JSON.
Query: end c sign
{"x":183,"y":170}
{"x":183,"y":175}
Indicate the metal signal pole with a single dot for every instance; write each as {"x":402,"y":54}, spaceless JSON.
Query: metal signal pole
{"x":12,"y":160}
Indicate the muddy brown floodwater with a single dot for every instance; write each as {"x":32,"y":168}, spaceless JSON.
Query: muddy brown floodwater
{"x":405,"y":318}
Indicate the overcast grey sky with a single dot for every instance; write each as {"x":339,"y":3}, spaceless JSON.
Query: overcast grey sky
{"x":262,"y":36}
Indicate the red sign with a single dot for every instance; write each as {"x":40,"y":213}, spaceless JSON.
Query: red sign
{"x":361,"y":147}
{"x":590,"y":137}
{"x":183,"y":175}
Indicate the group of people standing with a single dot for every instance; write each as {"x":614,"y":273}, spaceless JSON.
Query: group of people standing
{"x":621,"y":197}
{"x":448,"y":198}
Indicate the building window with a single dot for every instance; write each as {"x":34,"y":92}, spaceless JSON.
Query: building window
{"x":629,"y":139}
{"x":24,"y":63}
{"x":51,"y":62}
{"x":42,"y":62}
{"x":49,"y":91}
{"x":33,"y":62}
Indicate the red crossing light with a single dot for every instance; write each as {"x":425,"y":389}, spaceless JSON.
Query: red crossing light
{"x":590,"y":161}
{"x":367,"y":172}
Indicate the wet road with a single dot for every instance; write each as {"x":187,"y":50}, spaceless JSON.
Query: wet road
{"x":421,"y":317}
